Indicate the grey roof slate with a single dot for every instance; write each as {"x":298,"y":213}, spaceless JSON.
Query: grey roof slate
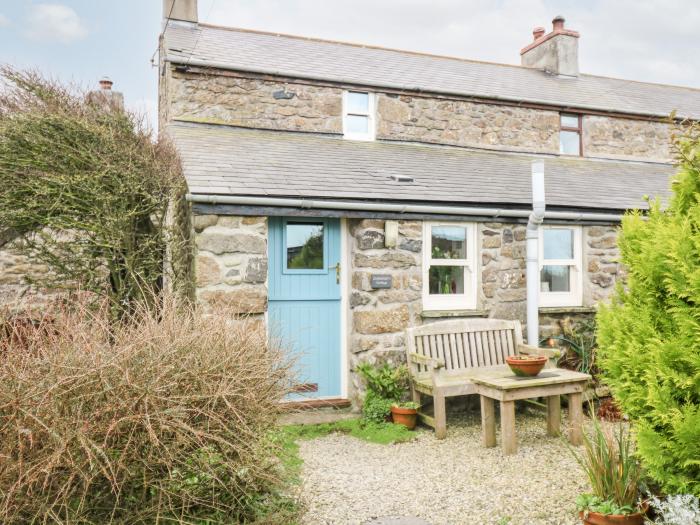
{"x":223,"y":160}
{"x":370,"y":66}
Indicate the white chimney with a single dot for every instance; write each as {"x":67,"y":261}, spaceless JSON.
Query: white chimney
{"x":555,"y":52}
{"x":106,"y":98}
{"x":184,"y":10}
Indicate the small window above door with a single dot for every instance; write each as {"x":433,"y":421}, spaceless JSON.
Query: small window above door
{"x":358,"y":115}
{"x":304,"y":243}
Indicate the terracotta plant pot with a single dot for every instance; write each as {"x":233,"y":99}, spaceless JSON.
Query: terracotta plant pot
{"x":594,"y":518}
{"x":526,"y":366}
{"x":404,"y":416}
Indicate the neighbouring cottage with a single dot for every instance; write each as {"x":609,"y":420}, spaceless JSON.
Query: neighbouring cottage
{"x":343,"y":193}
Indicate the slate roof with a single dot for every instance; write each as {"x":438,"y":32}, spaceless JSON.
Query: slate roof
{"x":224,"y":160}
{"x":246,"y":50}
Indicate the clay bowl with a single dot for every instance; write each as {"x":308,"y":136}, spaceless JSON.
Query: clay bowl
{"x":526,"y":365}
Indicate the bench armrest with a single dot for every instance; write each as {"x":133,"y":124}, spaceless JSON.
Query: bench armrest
{"x":533,"y":350}
{"x":430,"y":362}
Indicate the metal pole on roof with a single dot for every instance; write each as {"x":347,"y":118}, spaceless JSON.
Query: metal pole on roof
{"x":532,"y":256}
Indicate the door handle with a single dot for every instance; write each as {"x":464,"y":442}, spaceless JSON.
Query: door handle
{"x":337,"y":272}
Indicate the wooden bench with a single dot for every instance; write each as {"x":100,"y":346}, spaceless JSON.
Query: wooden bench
{"x":443,"y":356}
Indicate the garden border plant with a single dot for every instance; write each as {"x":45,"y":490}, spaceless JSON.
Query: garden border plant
{"x":649,"y":349}
{"x":164,"y":417}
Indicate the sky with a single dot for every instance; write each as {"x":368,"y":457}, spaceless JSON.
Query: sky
{"x":79,"y":41}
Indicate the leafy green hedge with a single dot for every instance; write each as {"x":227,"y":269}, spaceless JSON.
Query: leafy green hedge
{"x":649,"y":336}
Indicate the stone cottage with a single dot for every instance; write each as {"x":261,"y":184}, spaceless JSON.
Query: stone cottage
{"x":343,"y":193}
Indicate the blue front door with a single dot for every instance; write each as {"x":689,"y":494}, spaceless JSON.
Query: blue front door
{"x":304,"y":310}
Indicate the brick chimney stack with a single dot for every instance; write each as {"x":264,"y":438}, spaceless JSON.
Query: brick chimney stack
{"x":556,"y":52}
{"x":182,"y":10}
{"x":106,"y":98}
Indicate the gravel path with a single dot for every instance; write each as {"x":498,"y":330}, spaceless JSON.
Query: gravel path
{"x":454,"y":481}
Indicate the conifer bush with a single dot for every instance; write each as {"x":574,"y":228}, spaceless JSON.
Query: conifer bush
{"x":166,"y":418}
{"x":649,"y":336}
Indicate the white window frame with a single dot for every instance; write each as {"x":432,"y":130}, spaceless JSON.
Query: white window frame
{"x":371,"y":126}
{"x":467,"y":300}
{"x":574,"y":297}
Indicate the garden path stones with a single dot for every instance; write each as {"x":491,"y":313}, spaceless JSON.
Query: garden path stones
{"x":346,"y":481}
{"x":397,"y":521}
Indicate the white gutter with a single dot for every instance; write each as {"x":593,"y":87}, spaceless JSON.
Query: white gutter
{"x":395,"y":85}
{"x":427,"y":209}
{"x":532,"y":254}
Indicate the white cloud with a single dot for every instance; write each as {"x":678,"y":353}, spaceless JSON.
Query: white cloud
{"x":4,"y":21}
{"x":55,"y":23}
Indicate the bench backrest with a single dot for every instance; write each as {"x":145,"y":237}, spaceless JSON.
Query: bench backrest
{"x":467,"y":343}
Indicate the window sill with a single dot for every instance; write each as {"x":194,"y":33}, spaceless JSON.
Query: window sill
{"x":567,"y":309}
{"x":437,"y":314}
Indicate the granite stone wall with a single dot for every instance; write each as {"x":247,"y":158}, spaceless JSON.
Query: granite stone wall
{"x":16,"y":271}
{"x":255,"y":103}
{"x":626,"y":138}
{"x":463,"y":123}
{"x":252,"y":101}
{"x":231,"y":263}
{"x":380,"y":317}
{"x":231,"y":271}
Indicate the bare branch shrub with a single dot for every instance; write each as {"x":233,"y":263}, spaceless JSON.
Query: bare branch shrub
{"x":161,"y":419}
{"x":86,"y":191}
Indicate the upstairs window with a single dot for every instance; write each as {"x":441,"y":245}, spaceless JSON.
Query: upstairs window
{"x":358,"y":115}
{"x":449,"y":266}
{"x":561,"y":275}
{"x":570,"y":134}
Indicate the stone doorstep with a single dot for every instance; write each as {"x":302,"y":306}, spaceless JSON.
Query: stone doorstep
{"x":317,"y":416}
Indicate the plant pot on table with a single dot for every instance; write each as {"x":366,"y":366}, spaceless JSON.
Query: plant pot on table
{"x":526,"y":365}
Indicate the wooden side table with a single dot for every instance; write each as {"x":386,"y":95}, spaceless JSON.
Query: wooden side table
{"x":502,"y":385}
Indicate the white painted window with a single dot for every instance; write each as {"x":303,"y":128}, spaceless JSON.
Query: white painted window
{"x":561,"y":272}
{"x":358,"y":115}
{"x":449,"y":266}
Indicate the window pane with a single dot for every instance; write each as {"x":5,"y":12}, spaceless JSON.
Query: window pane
{"x":555,"y":279}
{"x":357,"y":124}
{"x":305,"y":246}
{"x":558,"y":244}
{"x":569,"y":121}
{"x":448,"y":242}
{"x":569,"y":143}
{"x":357,"y":102}
{"x":446,"y":280}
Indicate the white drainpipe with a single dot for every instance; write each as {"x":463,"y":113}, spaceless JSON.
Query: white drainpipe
{"x":533,"y":266}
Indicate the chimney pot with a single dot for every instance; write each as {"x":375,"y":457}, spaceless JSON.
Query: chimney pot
{"x":558,"y":23}
{"x":537,"y":32}
{"x":106,"y":83}
{"x":555,"y":53}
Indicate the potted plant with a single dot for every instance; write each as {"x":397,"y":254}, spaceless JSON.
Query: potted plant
{"x":614,"y":474}
{"x":526,"y":365}
{"x":405,"y":414}
{"x":386,"y":385}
